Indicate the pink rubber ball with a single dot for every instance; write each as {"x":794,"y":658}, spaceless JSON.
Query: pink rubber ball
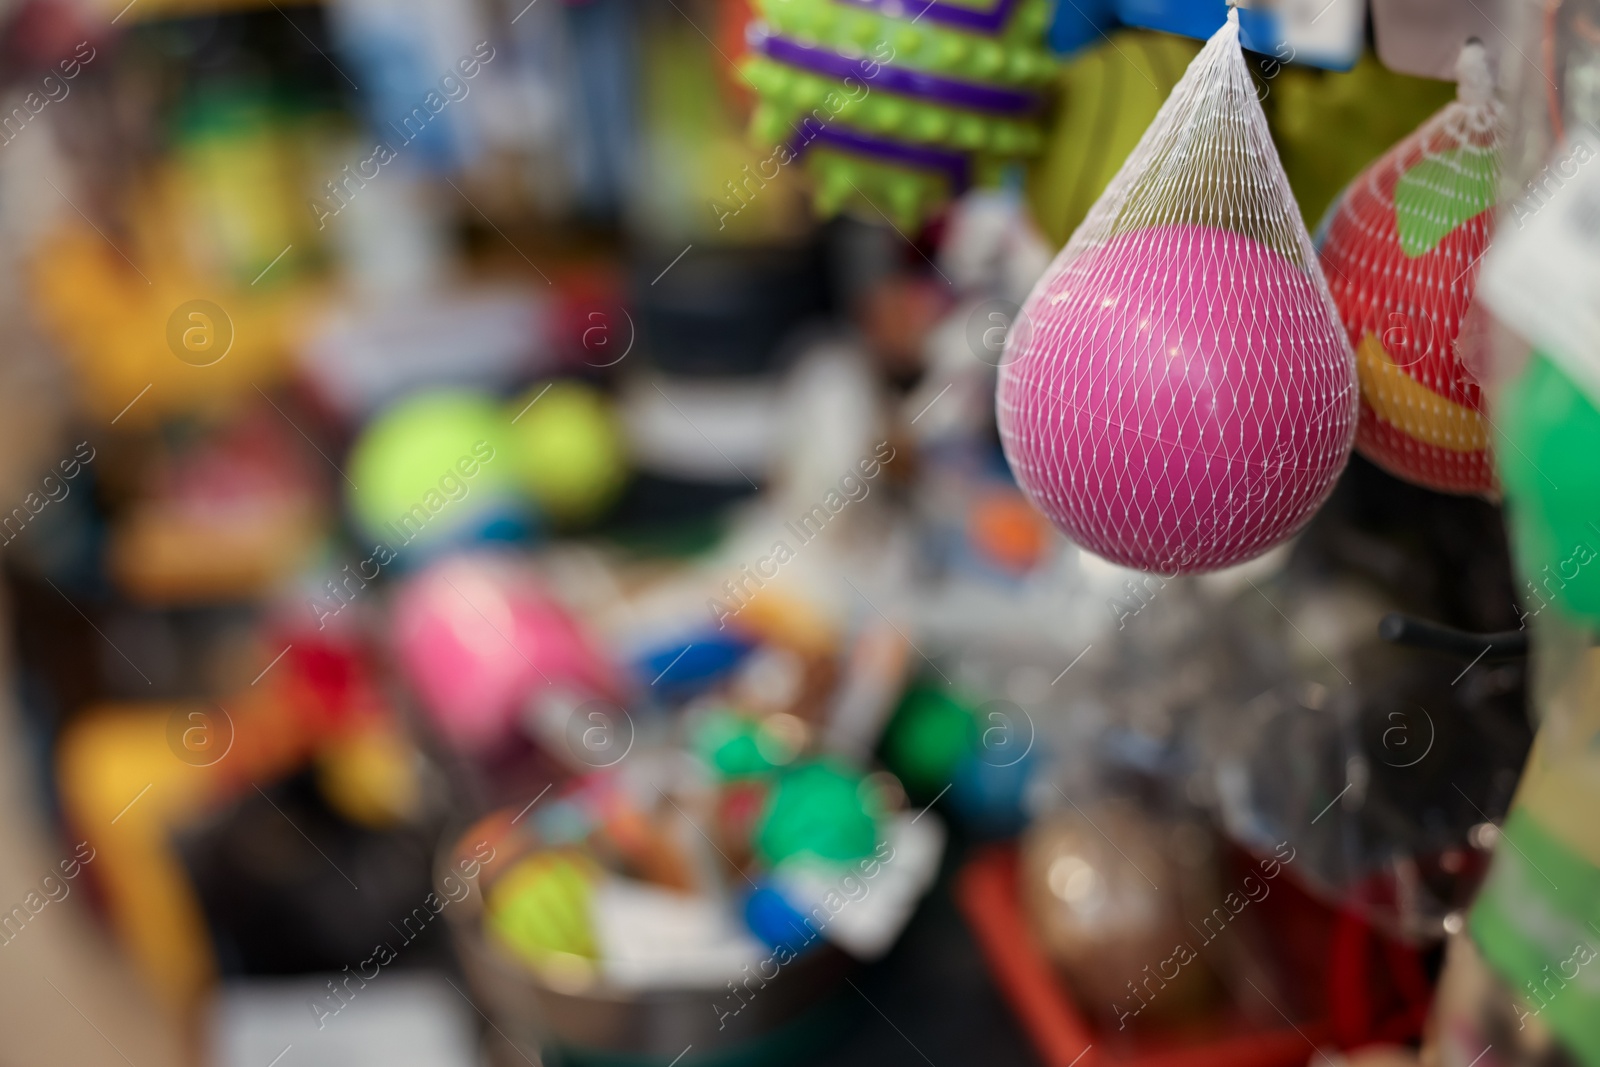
{"x":476,"y":636}
{"x":1178,"y":400}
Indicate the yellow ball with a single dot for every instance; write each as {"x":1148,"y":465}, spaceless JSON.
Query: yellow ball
{"x":540,"y":910}
{"x":569,"y":449}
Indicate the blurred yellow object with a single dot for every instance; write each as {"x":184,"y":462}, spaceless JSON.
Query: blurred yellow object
{"x":123,"y":791}
{"x":570,"y":452}
{"x":130,"y":774}
{"x":149,"y":333}
{"x":1109,"y":95}
{"x":789,"y":622}
{"x":1413,"y":408}
{"x":540,"y":911}
{"x":707,"y":182}
{"x":1327,"y":125}
{"x":238,"y":167}
{"x":370,"y":776}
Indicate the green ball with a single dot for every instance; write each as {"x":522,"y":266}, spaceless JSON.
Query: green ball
{"x":431,"y":467}
{"x":569,"y":450}
{"x":738,"y":746}
{"x":929,"y":736}
{"x":1550,"y":467}
{"x":821,"y":809}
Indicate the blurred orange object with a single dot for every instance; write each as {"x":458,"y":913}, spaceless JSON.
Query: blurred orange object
{"x":733,"y":17}
{"x":165,"y":558}
{"x":789,"y":621}
{"x":640,"y":839}
{"x":1007,"y":530}
{"x":988,"y":893}
{"x":228,"y":518}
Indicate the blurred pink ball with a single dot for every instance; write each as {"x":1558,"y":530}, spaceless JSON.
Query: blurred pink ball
{"x":1179,"y":400}
{"x":477,"y":636}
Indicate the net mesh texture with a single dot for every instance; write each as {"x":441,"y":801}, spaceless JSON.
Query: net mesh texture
{"x":1401,"y":248}
{"x":1177,"y":393}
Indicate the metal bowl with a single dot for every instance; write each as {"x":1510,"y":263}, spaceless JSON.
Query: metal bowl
{"x":790,"y":1016}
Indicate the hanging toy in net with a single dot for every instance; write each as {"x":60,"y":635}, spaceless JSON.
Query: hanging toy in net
{"x":1401,"y":248}
{"x":898,"y":106}
{"x":1177,"y":393}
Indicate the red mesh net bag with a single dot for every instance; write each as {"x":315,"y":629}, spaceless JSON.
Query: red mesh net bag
{"x":1401,"y":248}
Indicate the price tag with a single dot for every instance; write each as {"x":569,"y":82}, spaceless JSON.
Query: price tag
{"x":1541,"y":276}
{"x":1324,"y":33}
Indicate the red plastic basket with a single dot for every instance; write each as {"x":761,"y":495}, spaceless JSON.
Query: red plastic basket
{"x":987,"y":891}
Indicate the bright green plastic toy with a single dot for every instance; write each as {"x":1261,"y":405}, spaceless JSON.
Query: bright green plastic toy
{"x":1550,"y":468}
{"x":568,"y":449}
{"x":820,"y":809}
{"x":738,"y":746}
{"x":896,"y":107}
{"x":431,"y":468}
{"x":930,"y":734}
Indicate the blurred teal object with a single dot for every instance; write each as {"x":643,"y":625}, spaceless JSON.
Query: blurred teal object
{"x":987,"y":794}
{"x":1551,"y":475}
{"x":819,"y":809}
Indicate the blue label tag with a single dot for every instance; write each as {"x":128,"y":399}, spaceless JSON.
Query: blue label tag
{"x":1330,"y":38}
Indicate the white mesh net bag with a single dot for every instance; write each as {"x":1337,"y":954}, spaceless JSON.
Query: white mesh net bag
{"x":1178,"y":394}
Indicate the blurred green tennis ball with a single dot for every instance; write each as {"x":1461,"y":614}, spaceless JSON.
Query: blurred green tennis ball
{"x":432,"y":467}
{"x":568,"y":449}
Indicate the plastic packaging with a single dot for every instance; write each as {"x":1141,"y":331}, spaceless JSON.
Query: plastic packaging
{"x":1401,"y":249}
{"x":1179,"y":396}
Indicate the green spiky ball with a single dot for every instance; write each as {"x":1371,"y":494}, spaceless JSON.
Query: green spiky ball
{"x":1015,"y":58}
